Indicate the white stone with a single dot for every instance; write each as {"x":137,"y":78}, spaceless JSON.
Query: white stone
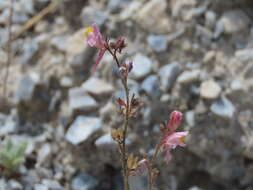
{"x":168,"y":74}
{"x":223,"y":108}
{"x":210,"y":89}
{"x":234,"y":21}
{"x":154,"y":21}
{"x":40,"y":187}
{"x":82,"y":128}
{"x":244,"y":54}
{"x":80,"y":100}
{"x":142,"y":66}
{"x":97,"y":86}
{"x":188,"y":76}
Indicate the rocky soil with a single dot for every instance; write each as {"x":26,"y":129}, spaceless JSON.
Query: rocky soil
{"x":192,"y":55}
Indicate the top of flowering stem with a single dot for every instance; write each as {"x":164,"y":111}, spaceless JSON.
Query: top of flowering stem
{"x":95,"y":39}
{"x":174,"y":120}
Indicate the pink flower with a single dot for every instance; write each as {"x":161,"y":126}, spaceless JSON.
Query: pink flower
{"x":174,"y":120}
{"x":171,"y":141}
{"x":95,"y":39}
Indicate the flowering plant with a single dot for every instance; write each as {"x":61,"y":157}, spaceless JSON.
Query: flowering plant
{"x":169,"y":140}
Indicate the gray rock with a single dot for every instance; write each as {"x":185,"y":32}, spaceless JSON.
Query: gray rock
{"x":115,"y":5}
{"x":223,"y":108}
{"x":3,"y":5}
{"x":97,"y":86}
{"x":157,"y":42}
{"x":195,"y":188}
{"x":190,"y":118}
{"x":137,"y":183}
{"x":204,"y":33}
{"x":151,"y":86}
{"x":29,"y":52}
{"x":130,"y":10}
{"x":9,"y":126}
{"x":90,"y":15}
{"x":40,"y":187}
{"x":210,"y":89}
{"x":80,"y":100}
{"x":237,"y":85}
{"x":52,"y":184}
{"x":175,"y":35}
{"x":66,"y":82}
{"x":108,"y":111}
{"x":84,"y":181}
{"x":60,"y":42}
{"x":168,"y":75}
{"x":244,"y":54}
{"x":234,"y":21}
{"x":19,"y":18}
{"x":154,"y":21}
{"x":3,"y":184}
{"x":142,"y":66}
{"x":43,"y":153}
{"x":25,"y":6}
{"x":26,"y":86}
{"x":13,"y":184}
{"x":210,"y":19}
{"x":219,"y":29}
{"x":82,"y":128}
{"x":188,"y":76}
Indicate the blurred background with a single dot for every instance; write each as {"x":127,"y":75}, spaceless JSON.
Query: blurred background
{"x":190,"y":55}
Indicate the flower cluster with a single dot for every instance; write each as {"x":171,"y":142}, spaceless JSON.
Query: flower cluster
{"x":95,"y":39}
{"x":171,"y":139}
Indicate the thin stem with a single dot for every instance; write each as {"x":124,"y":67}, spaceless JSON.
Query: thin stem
{"x":126,"y":123}
{"x":124,"y":155}
{"x":9,"y":52}
{"x":150,"y":179}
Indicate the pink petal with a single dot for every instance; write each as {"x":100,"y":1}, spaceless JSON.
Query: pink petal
{"x":173,"y":140}
{"x":97,"y":35}
{"x":91,"y":40}
{"x":99,"y":58}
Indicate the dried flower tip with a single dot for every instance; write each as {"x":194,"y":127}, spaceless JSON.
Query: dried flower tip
{"x":129,"y":65}
{"x":132,"y":162}
{"x":117,"y":134}
{"x":122,"y":105}
{"x":120,"y":44}
{"x":140,"y":168}
{"x":174,"y":120}
{"x":125,"y":69}
{"x":135,"y":104}
{"x":123,"y":72}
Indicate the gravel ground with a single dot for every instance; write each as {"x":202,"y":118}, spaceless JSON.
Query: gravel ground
{"x":191,"y":55}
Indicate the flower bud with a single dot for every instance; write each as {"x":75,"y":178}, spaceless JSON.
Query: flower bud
{"x":129,"y":65}
{"x":174,"y":120}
